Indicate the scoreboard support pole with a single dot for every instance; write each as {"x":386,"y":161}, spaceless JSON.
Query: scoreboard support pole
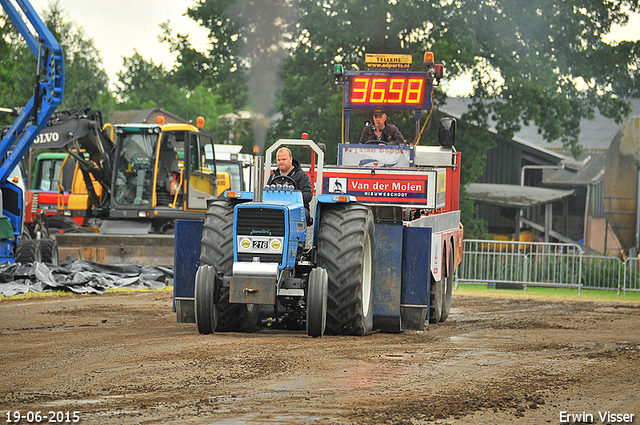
{"x":347,"y":113}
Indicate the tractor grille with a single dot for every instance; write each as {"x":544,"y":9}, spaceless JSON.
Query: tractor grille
{"x":34,"y":203}
{"x":264,"y":258}
{"x":260,"y":222}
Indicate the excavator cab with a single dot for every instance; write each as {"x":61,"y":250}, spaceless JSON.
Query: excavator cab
{"x":162,"y":171}
{"x":163,"y":167}
{"x":134,"y":168}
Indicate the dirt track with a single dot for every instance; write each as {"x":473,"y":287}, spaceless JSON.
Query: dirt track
{"x":123,"y":359}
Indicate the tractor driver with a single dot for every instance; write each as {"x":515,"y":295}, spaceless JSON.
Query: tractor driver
{"x":290,"y":167}
{"x":380,"y":132}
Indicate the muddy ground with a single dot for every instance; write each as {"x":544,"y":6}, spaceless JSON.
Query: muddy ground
{"x":122,"y":358}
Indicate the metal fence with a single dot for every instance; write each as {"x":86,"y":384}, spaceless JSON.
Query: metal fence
{"x":631,"y":278}
{"x":545,"y":264}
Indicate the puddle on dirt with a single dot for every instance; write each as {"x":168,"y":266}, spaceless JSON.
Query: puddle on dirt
{"x":616,"y":309}
{"x":225,"y":399}
{"x":395,"y":356}
{"x":366,"y":375}
{"x":460,"y":339}
{"x":346,"y":376}
{"x":75,"y":402}
{"x":297,"y":418}
{"x":477,"y":338}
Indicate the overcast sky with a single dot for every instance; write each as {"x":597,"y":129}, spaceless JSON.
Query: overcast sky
{"x":120,"y":26}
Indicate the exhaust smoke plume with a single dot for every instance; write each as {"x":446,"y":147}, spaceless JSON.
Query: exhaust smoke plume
{"x":265,"y":25}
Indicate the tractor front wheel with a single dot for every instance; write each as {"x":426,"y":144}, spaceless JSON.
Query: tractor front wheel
{"x":205,"y":309}
{"x":28,"y":251}
{"x":317,"y":302}
{"x":49,"y":251}
{"x":217,"y":251}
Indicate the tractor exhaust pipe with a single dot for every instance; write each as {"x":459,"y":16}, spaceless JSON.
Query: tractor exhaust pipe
{"x":258,"y":180}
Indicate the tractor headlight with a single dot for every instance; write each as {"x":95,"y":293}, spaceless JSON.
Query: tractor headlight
{"x":245,"y":244}
{"x":275,"y":245}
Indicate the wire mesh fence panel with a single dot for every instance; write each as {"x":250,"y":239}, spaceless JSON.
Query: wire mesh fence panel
{"x":531,"y":263}
{"x":545,"y":264}
{"x":631,"y":278}
{"x":492,"y":267}
{"x":554,"y":266}
{"x":601,"y":272}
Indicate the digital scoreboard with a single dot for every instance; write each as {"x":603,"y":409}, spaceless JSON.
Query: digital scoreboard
{"x":392,"y":90}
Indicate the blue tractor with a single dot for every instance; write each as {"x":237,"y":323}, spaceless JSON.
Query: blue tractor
{"x":258,"y":249}
{"x":379,"y":252}
{"x":49,"y":90}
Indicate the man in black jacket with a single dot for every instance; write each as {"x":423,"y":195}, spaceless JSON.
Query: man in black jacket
{"x":381,"y":132}
{"x":290,"y":167}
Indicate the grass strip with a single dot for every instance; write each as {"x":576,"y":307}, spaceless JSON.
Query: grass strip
{"x":556,"y":294}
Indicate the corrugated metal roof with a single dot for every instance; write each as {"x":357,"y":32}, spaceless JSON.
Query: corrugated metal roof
{"x":591,"y":173}
{"x":514,"y":196}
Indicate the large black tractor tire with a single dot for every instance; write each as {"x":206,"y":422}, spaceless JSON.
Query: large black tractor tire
{"x":55,"y":223}
{"x":346,"y":250}
{"x":205,"y":309}
{"x":317,"y":302}
{"x":217,"y":251}
{"x":28,"y":251}
{"x":49,"y":251}
{"x":436,"y":300}
{"x":448,"y":288}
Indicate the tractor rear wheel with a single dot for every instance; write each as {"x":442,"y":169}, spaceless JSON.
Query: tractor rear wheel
{"x":448,"y":288}
{"x":205,"y":309}
{"x":28,"y":251}
{"x":317,"y":302}
{"x":346,"y":250}
{"x":436,"y":297}
{"x":217,"y":251}
{"x":49,"y":251}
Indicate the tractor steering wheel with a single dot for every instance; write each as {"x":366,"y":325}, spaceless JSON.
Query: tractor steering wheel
{"x":376,"y":142}
{"x":285,"y":179}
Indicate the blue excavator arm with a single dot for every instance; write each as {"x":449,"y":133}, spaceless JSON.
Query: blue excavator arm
{"x":49,"y":85}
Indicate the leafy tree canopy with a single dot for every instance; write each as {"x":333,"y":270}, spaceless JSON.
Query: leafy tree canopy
{"x":86,"y":83}
{"x":541,"y":62}
{"x":144,"y":85}
{"x":538,"y":62}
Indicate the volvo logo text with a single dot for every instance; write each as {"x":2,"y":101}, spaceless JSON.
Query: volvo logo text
{"x":47,"y":138}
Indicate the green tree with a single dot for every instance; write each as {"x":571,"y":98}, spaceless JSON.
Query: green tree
{"x":85,"y":79}
{"x":86,"y":82}
{"x":6,"y":68}
{"x":205,"y":101}
{"x":144,"y":85}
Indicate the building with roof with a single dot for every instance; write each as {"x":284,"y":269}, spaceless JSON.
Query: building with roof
{"x":144,"y":116}
{"x":575,"y":212}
